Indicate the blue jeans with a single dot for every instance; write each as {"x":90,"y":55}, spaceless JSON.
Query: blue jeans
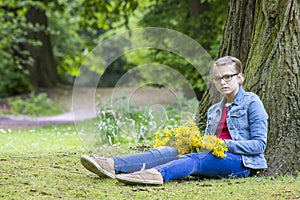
{"x":165,"y":160}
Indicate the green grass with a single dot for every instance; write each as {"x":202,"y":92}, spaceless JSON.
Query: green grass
{"x":43,"y":163}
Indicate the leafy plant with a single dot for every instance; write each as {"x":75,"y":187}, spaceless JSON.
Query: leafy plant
{"x":35,"y":105}
{"x":14,"y":58}
{"x":123,"y":124}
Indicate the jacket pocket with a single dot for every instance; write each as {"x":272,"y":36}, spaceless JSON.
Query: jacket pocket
{"x":239,"y":118}
{"x":238,"y":113}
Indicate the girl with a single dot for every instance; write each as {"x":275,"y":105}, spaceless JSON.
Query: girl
{"x":239,"y":119}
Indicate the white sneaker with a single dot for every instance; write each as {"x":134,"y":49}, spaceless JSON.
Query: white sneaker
{"x":103,"y":167}
{"x":149,"y":176}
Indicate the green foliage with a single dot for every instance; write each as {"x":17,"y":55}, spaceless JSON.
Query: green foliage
{"x":86,"y":21}
{"x":129,"y":124}
{"x":169,"y":59}
{"x":13,"y":29}
{"x":204,"y":25}
{"x":203,"y":22}
{"x":34,"y":105}
{"x":75,"y":28}
{"x":124,"y":126}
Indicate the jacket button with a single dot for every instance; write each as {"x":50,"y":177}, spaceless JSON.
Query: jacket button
{"x":231,"y":127}
{"x":236,"y":138}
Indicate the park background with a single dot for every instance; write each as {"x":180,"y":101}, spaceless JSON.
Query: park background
{"x":43,"y":44}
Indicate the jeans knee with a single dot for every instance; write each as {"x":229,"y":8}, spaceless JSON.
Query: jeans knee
{"x":198,"y":156}
{"x":166,"y":150}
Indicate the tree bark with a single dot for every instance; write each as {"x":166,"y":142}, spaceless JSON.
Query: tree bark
{"x":265,"y":35}
{"x":273,"y":73}
{"x":43,"y":73}
{"x":237,"y":33}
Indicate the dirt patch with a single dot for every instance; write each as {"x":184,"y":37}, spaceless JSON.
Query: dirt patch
{"x":140,"y":96}
{"x":63,"y":96}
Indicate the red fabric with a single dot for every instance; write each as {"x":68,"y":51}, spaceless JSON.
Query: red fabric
{"x":222,"y":128}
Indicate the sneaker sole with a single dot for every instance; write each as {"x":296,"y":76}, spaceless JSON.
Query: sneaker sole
{"x":92,"y":166}
{"x":129,"y":180}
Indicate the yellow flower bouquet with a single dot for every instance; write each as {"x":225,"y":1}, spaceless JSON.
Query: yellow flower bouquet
{"x":188,"y":139}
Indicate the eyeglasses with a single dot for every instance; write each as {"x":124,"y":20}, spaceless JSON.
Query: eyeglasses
{"x":226,"y":78}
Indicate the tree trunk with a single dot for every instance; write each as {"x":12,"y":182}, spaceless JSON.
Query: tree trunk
{"x":236,"y":41}
{"x":273,"y":73}
{"x":43,"y":73}
{"x":195,"y":9}
{"x":265,"y":35}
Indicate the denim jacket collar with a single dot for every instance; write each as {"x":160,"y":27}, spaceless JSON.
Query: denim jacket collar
{"x":239,"y":96}
{"x":237,"y":99}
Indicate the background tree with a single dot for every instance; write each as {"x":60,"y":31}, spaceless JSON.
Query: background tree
{"x":265,"y":35}
{"x":42,"y":72}
{"x":44,"y":42}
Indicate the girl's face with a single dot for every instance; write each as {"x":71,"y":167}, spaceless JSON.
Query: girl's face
{"x":227,"y":80}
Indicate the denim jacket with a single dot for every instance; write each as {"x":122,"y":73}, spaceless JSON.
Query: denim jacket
{"x":247,"y":125}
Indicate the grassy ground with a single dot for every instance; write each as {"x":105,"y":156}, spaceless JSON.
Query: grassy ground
{"x":43,"y":163}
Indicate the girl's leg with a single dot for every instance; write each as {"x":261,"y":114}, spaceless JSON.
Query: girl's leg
{"x":205,"y":164}
{"x":146,"y":160}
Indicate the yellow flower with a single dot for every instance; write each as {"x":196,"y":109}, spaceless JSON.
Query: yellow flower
{"x":162,"y":138}
{"x":187,"y":138}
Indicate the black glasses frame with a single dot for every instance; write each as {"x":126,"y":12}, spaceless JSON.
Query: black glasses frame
{"x":226,"y":77}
